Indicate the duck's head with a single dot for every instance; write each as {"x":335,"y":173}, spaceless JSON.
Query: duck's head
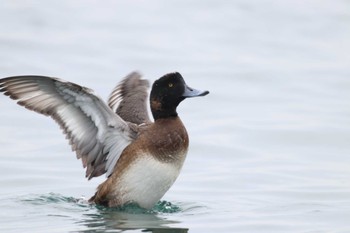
{"x":167,"y":92}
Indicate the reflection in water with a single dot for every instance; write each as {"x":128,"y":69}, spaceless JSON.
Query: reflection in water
{"x":101,"y":219}
{"x":118,"y":220}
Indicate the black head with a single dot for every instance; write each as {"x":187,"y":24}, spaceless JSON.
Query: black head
{"x":167,"y":92}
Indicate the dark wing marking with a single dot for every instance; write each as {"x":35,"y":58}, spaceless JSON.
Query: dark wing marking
{"x":129,"y":99}
{"x":95,"y":132}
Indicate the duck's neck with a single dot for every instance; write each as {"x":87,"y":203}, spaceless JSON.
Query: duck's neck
{"x":161,"y":111}
{"x":164,"y":114}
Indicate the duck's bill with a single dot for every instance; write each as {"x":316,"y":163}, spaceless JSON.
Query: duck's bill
{"x":191,"y":92}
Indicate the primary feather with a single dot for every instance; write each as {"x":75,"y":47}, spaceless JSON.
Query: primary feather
{"x":95,"y":132}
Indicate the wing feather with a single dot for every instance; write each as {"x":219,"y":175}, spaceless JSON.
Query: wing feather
{"x":95,"y":132}
{"x":129,"y":99}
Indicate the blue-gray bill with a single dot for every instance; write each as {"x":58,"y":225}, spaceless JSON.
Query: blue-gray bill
{"x":191,"y":92}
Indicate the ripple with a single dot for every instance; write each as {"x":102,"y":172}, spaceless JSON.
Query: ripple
{"x":95,"y":218}
{"x":53,"y":198}
{"x":162,"y":207}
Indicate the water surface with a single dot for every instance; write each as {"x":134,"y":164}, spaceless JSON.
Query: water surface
{"x":269,"y":147}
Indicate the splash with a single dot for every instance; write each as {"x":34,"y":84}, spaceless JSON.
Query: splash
{"x":132,"y":208}
{"x":166,"y":207}
{"x":58,"y":199}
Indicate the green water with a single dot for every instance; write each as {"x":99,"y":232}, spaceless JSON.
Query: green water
{"x":100,"y":219}
{"x":54,"y":198}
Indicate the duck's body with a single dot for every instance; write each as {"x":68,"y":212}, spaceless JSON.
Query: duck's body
{"x":145,"y":176}
{"x":141,"y":159}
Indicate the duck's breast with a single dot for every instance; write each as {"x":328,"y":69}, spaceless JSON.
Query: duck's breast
{"x":146,"y":180}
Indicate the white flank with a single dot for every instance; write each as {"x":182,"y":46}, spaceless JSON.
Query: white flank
{"x":146,"y":181}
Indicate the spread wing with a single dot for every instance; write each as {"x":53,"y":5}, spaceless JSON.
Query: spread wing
{"x":129,"y":99}
{"x":95,"y":132}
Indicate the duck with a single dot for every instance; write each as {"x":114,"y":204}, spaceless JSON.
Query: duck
{"x":141,"y":158}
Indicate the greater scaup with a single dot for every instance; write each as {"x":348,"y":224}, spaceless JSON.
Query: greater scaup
{"x":141,"y":159}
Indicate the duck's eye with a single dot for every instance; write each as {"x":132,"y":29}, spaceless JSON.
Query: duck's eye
{"x":170,"y":84}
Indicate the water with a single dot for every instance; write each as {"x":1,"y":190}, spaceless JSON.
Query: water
{"x":269,"y":148}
